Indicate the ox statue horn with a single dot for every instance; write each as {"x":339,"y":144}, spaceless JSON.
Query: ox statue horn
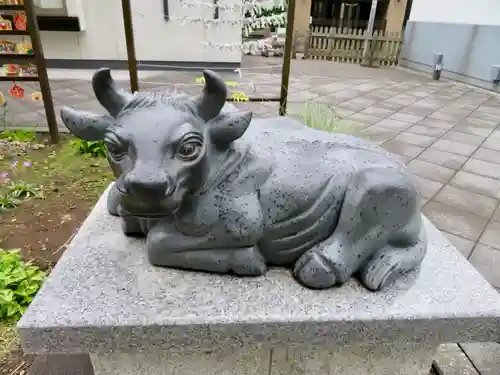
{"x":213,"y":98}
{"x":106,"y":92}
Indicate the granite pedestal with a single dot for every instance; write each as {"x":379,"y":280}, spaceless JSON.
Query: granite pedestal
{"x":104,"y":299}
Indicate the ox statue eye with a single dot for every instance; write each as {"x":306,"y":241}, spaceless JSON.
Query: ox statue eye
{"x":189,"y":150}
{"x":114,"y":151}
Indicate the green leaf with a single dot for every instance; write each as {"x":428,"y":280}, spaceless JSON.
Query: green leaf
{"x":19,"y":283}
{"x":6,"y":296}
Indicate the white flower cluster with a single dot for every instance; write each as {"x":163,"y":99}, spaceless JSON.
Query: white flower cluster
{"x":252,"y":7}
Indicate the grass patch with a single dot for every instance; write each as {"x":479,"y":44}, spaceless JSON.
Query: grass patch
{"x":47,"y":191}
{"x":9,"y":340}
{"x":46,"y":172}
{"x":18,"y":135}
{"x":321,"y":116}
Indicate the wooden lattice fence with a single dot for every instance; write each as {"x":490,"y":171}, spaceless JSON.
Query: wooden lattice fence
{"x":346,"y":45}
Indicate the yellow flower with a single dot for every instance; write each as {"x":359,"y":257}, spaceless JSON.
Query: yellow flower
{"x":239,"y":97}
{"x":37,"y":96}
{"x":231,"y":84}
{"x":2,"y":99}
{"x":200,"y":80}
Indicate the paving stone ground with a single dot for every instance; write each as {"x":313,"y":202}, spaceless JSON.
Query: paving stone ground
{"x":447,"y":133}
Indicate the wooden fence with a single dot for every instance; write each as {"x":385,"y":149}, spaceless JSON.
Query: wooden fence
{"x":347,"y":45}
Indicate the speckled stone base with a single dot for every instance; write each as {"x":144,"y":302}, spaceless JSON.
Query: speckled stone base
{"x":400,"y":359}
{"x":105,"y":297}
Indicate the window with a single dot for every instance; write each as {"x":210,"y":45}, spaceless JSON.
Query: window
{"x":50,"y":7}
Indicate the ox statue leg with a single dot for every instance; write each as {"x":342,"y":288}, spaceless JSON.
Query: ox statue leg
{"x":379,"y":235}
{"x":130,"y":225}
{"x":172,"y":249}
{"x":113,"y":202}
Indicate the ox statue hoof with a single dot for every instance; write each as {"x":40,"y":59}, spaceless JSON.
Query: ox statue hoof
{"x":313,"y":271}
{"x":248,"y":262}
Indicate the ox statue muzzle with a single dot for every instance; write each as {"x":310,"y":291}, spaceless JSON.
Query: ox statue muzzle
{"x":153,"y":187}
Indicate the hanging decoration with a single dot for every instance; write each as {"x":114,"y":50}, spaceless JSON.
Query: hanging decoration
{"x":5,"y":25}
{"x":239,"y":97}
{"x":11,"y":69}
{"x":251,"y":47}
{"x":223,"y":46}
{"x":16,"y":91}
{"x":247,"y":14}
{"x":24,"y":48}
{"x":37,"y":96}
{"x":242,"y":7}
{"x":232,"y":84}
{"x":20,"y":21}
{"x":207,"y":22}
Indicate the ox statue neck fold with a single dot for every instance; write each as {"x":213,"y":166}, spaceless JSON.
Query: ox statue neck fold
{"x":213,"y":191}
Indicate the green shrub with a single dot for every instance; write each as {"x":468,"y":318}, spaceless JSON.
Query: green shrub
{"x":18,"y":135}
{"x":8,"y":202}
{"x":14,"y":190}
{"x":320,"y":115}
{"x":94,"y":149}
{"x":19,"y":282}
{"x":13,"y":194}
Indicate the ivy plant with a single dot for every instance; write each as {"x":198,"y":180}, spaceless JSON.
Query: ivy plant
{"x":19,"y":283}
{"x":94,"y":149}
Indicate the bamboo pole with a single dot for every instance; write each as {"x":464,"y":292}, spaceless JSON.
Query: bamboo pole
{"x":285,"y":73}
{"x":41,"y":67}
{"x":129,"y":39}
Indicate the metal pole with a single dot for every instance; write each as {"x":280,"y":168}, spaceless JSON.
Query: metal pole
{"x":41,"y":67}
{"x":342,"y":11}
{"x":438,"y":66}
{"x":369,"y":28}
{"x":129,"y":39}
{"x":285,"y":73}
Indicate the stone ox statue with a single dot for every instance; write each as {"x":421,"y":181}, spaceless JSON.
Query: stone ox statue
{"x":214,"y":191}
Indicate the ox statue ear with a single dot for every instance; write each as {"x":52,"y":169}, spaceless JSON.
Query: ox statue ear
{"x":84,"y":125}
{"x":228,"y":127}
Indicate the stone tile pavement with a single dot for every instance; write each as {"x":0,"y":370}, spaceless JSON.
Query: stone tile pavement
{"x":447,"y":133}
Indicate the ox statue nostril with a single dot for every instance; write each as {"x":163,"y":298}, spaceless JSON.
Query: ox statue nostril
{"x":156,"y":186}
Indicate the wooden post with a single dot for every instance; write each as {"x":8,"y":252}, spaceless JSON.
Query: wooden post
{"x":285,"y":73}
{"x":369,"y":29}
{"x":41,"y":67}
{"x":129,"y":40}
{"x":331,"y":44}
{"x":307,"y":43}
{"x":373,"y":50}
{"x":295,"y":43}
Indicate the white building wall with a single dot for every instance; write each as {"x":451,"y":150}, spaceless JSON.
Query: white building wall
{"x":155,"y":38}
{"x":479,"y":12}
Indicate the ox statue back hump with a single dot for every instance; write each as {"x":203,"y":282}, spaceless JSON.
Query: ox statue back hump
{"x":213,"y":190}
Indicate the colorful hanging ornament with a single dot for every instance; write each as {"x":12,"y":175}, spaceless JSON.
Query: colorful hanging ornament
{"x":16,"y":91}
{"x":24,"y":48}
{"x":200,"y":80}
{"x":5,"y":25}
{"x":11,"y":69}
{"x":20,"y":21}
{"x":37,"y":96}
{"x":2,"y":100}
{"x":7,"y":46}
